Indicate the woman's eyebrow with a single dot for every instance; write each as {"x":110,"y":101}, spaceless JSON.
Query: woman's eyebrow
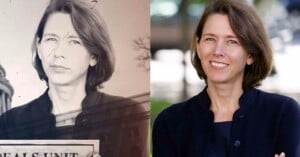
{"x":51,"y":34}
{"x":211,"y":34}
{"x":73,"y":36}
{"x":231,"y":36}
{"x":208,"y":34}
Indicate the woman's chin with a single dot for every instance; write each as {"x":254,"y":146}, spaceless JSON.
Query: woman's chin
{"x":60,"y":82}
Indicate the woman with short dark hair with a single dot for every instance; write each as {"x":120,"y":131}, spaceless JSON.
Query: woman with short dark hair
{"x":73,"y":54}
{"x":91,"y":30}
{"x":230,"y":117}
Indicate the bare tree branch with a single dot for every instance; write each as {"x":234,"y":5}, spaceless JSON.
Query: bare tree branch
{"x":142,"y":45}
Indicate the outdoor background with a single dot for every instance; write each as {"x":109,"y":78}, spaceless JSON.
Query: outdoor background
{"x":173,"y":22}
{"x":128,"y":24}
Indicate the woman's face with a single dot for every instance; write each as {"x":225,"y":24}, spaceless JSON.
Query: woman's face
{"x":64,"y":57}
{"x":222,"y":56}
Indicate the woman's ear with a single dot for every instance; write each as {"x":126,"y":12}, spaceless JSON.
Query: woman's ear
{"x":197,"y":47}
{"x":93,"y":61}
{"x":249,"y":60}
{"x":198,"y":39}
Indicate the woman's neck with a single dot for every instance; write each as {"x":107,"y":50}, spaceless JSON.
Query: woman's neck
{"x":66,"y":98}
{"x":224,"y":100}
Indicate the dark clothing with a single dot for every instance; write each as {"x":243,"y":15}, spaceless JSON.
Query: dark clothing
{"x":220,"y":140}
{"x":64,"y":132}
{"x":120,"y":124}
{"x":264,"y":124}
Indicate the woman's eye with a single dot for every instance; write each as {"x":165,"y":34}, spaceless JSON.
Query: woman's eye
{"x":209,"y":39}
{"x":76,"y":42}
{"x":50,"y":39}
{"x":233,"y":42}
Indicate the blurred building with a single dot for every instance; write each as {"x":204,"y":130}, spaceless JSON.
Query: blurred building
{"x":173,"y":23}
{"x":6,"y":92}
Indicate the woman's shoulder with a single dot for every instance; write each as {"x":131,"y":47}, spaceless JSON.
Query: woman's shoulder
{"x":272,"y":98}
{"x":179,"y":118}
{"x":27,"y":107}
{"x":276,"y":103}
{"x":198,"y":104}
{"x":23,"y":113}
{"x":133,"y":104}
{"x":114,"y":99}
{"x":99,"y":102}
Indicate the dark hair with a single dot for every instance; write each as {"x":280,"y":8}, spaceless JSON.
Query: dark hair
{"x":250,"y":31}
{"x":91,"y":30}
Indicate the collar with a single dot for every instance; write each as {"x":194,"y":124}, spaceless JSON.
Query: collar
{"x":44,"y":103}
{"x":247,"y":98}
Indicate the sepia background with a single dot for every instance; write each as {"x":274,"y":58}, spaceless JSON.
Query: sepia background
{"x":128,"y":23}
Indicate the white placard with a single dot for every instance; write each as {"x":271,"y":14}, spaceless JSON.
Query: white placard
{"x":49,"y":148}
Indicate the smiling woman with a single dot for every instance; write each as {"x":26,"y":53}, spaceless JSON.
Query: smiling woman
{"x":230,"y":117}
{"x":223,"y":56}
{"x":73,"y":54}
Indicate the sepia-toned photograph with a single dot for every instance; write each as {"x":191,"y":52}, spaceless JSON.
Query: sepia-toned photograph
{"x":76,"y":69}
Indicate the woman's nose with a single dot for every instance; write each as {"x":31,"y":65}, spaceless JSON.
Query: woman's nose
{"x":59,"y":51}
{"x":219,"y":49}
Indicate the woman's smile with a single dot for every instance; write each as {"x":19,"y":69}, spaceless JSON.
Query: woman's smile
{"x":218,"y":65}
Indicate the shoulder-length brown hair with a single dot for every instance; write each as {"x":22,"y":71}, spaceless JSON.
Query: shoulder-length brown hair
{"x":92,"y":31}
{"x":250,"y":31}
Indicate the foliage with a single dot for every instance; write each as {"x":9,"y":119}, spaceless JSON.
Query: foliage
{"x":157,"y":105}
{"x":199,"y":1}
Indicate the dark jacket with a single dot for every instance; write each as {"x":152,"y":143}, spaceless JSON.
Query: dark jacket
{"x":121,"y":124}
{"x":264,"y":124}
